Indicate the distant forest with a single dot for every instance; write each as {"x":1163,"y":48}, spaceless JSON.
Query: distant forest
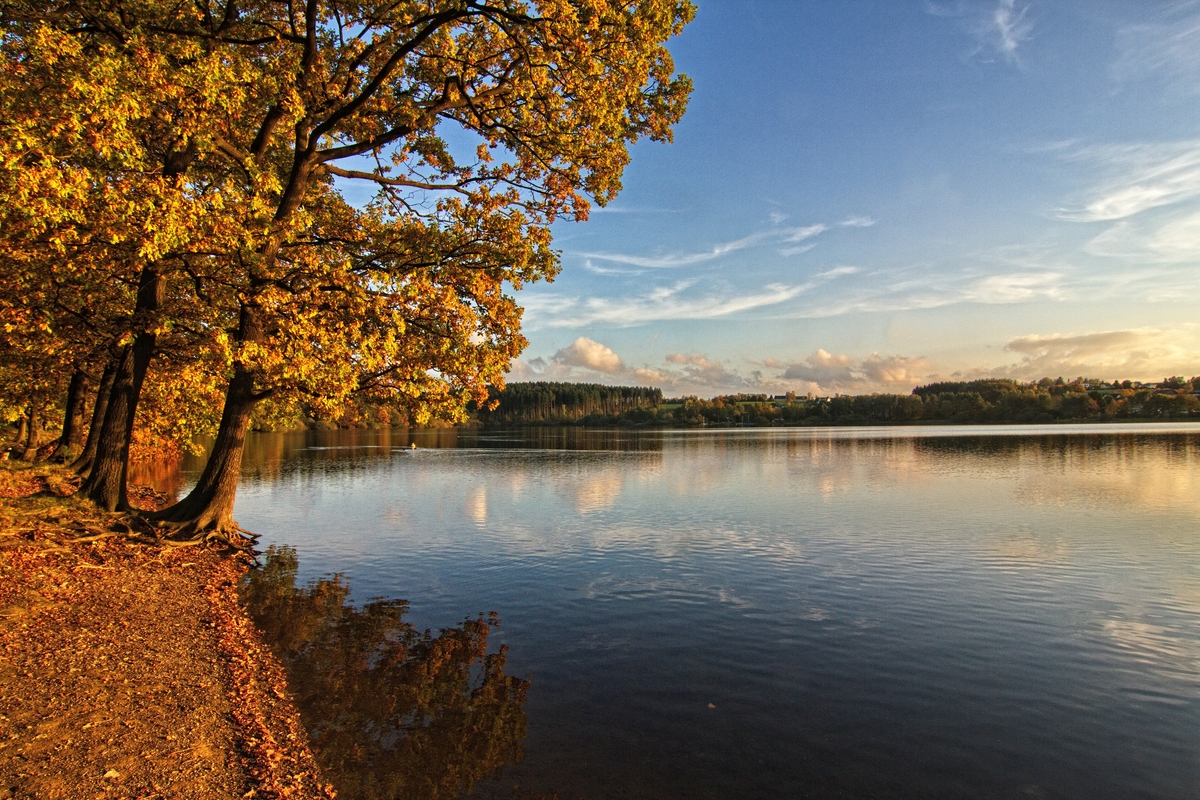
{"x":982,"y":401}
{"x":542,"y":401}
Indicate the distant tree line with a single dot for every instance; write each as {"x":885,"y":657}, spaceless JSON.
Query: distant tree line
{"x":543,"y":401}
{"x":982,"y":401}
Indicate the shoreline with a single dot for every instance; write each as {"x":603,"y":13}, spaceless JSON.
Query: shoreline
{"x":129,"y":669}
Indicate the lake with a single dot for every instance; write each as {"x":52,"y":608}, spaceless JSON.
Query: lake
{"x":924,"y":612}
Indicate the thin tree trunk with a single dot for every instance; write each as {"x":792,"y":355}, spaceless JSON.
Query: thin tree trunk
{"x":72,"y":429}
{"x":33,"y":434}
{"x":105,"y":484}
{"x":22,"y":426}
{"x":83,"y":464}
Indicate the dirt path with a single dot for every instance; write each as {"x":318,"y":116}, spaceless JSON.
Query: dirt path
{"x":129,"y":670}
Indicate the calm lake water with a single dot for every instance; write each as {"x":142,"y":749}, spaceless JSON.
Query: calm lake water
{"x":998,"y":612}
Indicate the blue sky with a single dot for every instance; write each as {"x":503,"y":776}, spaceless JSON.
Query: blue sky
{"x":868,"y":195}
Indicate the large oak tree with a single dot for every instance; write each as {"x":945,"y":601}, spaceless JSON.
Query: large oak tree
{"x":480,"y":124}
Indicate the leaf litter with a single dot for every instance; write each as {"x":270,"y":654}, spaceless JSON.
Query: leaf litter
{"x":128,"y":668}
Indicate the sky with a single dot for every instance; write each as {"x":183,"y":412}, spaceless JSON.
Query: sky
{"x":869,"y":195}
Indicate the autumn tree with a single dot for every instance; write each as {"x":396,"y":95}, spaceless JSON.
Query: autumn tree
{"x":553,"y":93}
{"x":480,"y":123}
{"x":109,"y":186}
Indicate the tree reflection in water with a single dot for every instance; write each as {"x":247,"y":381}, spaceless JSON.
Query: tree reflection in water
{"x":392,"y":712}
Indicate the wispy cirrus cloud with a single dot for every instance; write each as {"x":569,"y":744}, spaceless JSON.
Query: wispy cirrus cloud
{"x":838,"y":272}
{"x":1000,"y":27}
{"x":788,"y":237}
{"x":674,"y":260}
{"x":1008,"y":28}
{"x":661,"y":303}
{"x":1166,"y":47}
{"x":1135,"y":178}
{"x":914,"y":290}
{"x":1175,"y":240}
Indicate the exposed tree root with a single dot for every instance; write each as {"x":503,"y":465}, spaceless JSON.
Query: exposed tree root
{"x":227,"y":536}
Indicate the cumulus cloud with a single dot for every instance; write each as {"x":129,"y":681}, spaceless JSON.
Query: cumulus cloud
{"x":1135,"y":353}
{"x":1136,"y":178}
{"x":590,"y":354}
{"x":827,"y":372}
{"x":702,"y":371}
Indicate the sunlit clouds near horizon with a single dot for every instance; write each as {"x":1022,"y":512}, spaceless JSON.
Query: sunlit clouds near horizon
{"x":868,"y":196}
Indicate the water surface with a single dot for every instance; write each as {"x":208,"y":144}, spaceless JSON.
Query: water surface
{"x":886,"y":612}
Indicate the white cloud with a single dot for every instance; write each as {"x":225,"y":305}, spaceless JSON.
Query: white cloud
{"x":1000,"y":27}
{"x":678,"y":259}
{"x":659,"y":304}
{"x":786,"y":235}
{"x":1137,"y":177}
{"x":827,"y":372}
{"x":1173,"y":241}
{"x":956,"y":9}
{"x":695,"y":370}
{"x":807,"y":232}
{"x":922,"y":288}
{"x":838,"y":272}
{"x":1136,"y":353}
{"x":588,"y":353}
{"x":895,"y":371}
{"x":857,"y":222}
{"x":1015,"y":287}
{"x":1168,"y":48}
{"x":1009,"y":28}
{"x":777,"y":217}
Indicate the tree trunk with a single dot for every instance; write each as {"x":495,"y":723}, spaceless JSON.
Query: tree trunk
{"x":208,"y":508}
{"x":22,"y":426}
{"x":83,"y":464}
{"x":72,"y":429}
{"x":33,"y":433}
{"x":105,"y":484}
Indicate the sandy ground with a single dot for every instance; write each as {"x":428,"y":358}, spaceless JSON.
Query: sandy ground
{"x":129,"y":669}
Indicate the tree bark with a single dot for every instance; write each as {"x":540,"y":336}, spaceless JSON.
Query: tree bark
{"x":105,"y":484}
{"x":83,"y":464}
{"x":72,"y":429}
{"x":208,"y":508}
{"x":33,"y":433}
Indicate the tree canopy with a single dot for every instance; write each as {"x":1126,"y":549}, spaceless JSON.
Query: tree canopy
{"x":176,"y":177}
